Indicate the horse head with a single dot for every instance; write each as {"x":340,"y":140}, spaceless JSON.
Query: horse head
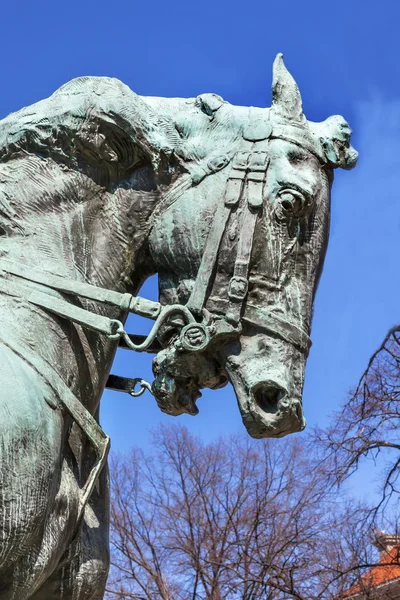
{"x":229,"y":204}
{"x":239,"y":237}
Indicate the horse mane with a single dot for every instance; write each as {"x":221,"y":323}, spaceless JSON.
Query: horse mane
{"x":72,"y":127}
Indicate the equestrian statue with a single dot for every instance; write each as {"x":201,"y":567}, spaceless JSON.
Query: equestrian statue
{"x":99,"y":189}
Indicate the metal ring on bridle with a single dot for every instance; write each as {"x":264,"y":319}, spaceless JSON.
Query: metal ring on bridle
{"x":117,"y":328}
{"x":165,"y":313}
{"x":144,"y":385}
{"x":194,"y":337}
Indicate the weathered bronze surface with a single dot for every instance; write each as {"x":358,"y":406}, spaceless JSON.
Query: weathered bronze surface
{"x":99,"y":189}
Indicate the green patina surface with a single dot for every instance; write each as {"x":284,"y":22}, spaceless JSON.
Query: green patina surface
{"x":229,"y":204}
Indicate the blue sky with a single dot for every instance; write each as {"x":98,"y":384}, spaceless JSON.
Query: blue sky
{"x":345,"y":58}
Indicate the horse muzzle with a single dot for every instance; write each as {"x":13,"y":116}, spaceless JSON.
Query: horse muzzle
{"x":267,"y":376}
{"x":268,"y":410}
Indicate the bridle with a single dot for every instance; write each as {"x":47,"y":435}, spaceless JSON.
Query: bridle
{"x":197,"y":326}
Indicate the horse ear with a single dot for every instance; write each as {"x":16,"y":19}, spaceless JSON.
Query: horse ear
{"x":286,"y":98}
{"x":335,"y":136}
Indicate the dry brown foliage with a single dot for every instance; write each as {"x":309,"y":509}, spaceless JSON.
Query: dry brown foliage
{"x":368,"y":426}
{"x":235,"y":519}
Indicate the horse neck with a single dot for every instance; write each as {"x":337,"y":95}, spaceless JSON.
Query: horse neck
{"x":82,"y":232}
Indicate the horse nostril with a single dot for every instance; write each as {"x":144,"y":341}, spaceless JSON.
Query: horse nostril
{"x":267,"y":396}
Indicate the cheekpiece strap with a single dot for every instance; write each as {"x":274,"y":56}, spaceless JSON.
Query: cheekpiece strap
{"x":254,"y":178}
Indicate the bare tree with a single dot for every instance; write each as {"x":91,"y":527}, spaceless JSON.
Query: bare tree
{"x":369,"y":424}
{"x":235,"y":519}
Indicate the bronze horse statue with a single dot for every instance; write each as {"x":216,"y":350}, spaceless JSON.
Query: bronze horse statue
{"x":99,"y":189}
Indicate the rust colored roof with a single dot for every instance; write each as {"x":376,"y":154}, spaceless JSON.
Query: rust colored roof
{"x":387,"y":569}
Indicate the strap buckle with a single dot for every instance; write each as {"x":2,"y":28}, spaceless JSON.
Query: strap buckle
{"x":238,"y":288}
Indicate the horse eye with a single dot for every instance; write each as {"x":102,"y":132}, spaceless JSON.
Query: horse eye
{"x":291,"y":203}
{"x":297,"y":156}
